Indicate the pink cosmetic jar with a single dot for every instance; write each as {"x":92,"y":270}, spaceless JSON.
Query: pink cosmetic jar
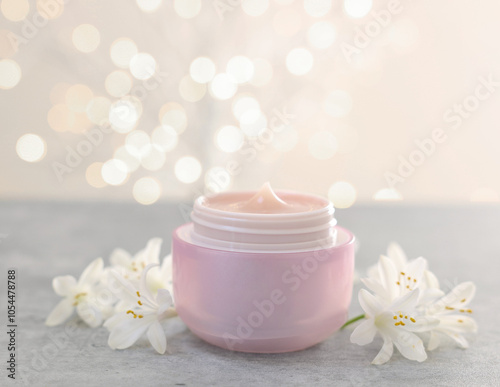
{"x":263,"y":271}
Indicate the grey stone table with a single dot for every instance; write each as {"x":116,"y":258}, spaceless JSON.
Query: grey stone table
{"x":42,"y":240}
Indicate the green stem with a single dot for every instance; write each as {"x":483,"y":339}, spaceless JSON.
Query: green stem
{"x":352,"y":320}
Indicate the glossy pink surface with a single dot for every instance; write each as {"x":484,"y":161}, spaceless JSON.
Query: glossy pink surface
{"x":263,"y":302}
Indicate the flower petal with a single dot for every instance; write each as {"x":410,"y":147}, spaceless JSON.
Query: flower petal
{"x":128,"y":331}
{"x":122,"y":288}
{"x":459,"y":339}
{"x":167,"y":268}
{"x":422,"y":324}
{"x":143,"y":285}
{"x":115,"y":320}
{"x":120,"y":257}
{"x":376,"y":287}
{"x":385,"y":352}
{"x":60,"y":313}
{"x":388,"y":276}
{"x":370,"y":304}
{"x":456,"y":323}
{"x":434,"y":341}
{"x":410,"y":346}
{"x":430,"y":295}
{"x":164,"y":300}
{"x":92,"y":273}
{"x":157,"y":338}
{"x":364,"y":332}
{"x":460,"y":295}
{"x":372,"y":272}
{"x":138,"y":256}
{"x":415,"y":268}
{"x":64,"y":285}
{"x":431,"y":280}
{"x":152,"y":252}
{"x":90,"y":314}
{"x":397,"y":255}
{"x":457,"y":298}
{"x":406,"y":302}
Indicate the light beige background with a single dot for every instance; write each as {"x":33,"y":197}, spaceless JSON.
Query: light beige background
{"x":429,"y":57}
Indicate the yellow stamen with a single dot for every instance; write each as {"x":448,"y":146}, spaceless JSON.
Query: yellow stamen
{"x":138,"y":294}
{"x":395,"y":317}
{"x":412,"y":319}
{"x":139,"y":302}
{"x":77,"y":298}
{"x":469,"y":310}
{"x":398,"y":283}
{"x":463,"y":300}
{"x":460,"y":321}
{"x":449,"y":308}
{"x":402,"y":273}
{"x":409,"y":278}
{"x":402,"y":323}
{"x":414,"y":280}
{"x":141,"y":316}
{"x":406,"y":317}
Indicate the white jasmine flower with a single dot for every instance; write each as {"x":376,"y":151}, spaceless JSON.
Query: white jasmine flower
{"x":391,"y":283}
{"x":81,"y":295}
{"x":453,"y":315}
{"x":394,"y":276}
{"x":143,"y":314}
{"x":396,"y":323}
{"x":131,"y":267}
{"x":161,"y":277}
{"x":406,"y":301}
{"x":396,"y":254}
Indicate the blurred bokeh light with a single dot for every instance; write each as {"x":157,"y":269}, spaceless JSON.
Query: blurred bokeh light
{"x":159,"y":100}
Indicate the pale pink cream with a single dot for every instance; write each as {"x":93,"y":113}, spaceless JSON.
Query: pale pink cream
{"x":263,"y":221}
{"x":264,"y":201}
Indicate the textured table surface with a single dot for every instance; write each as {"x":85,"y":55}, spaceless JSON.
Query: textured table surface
{"x":43,"y":240}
